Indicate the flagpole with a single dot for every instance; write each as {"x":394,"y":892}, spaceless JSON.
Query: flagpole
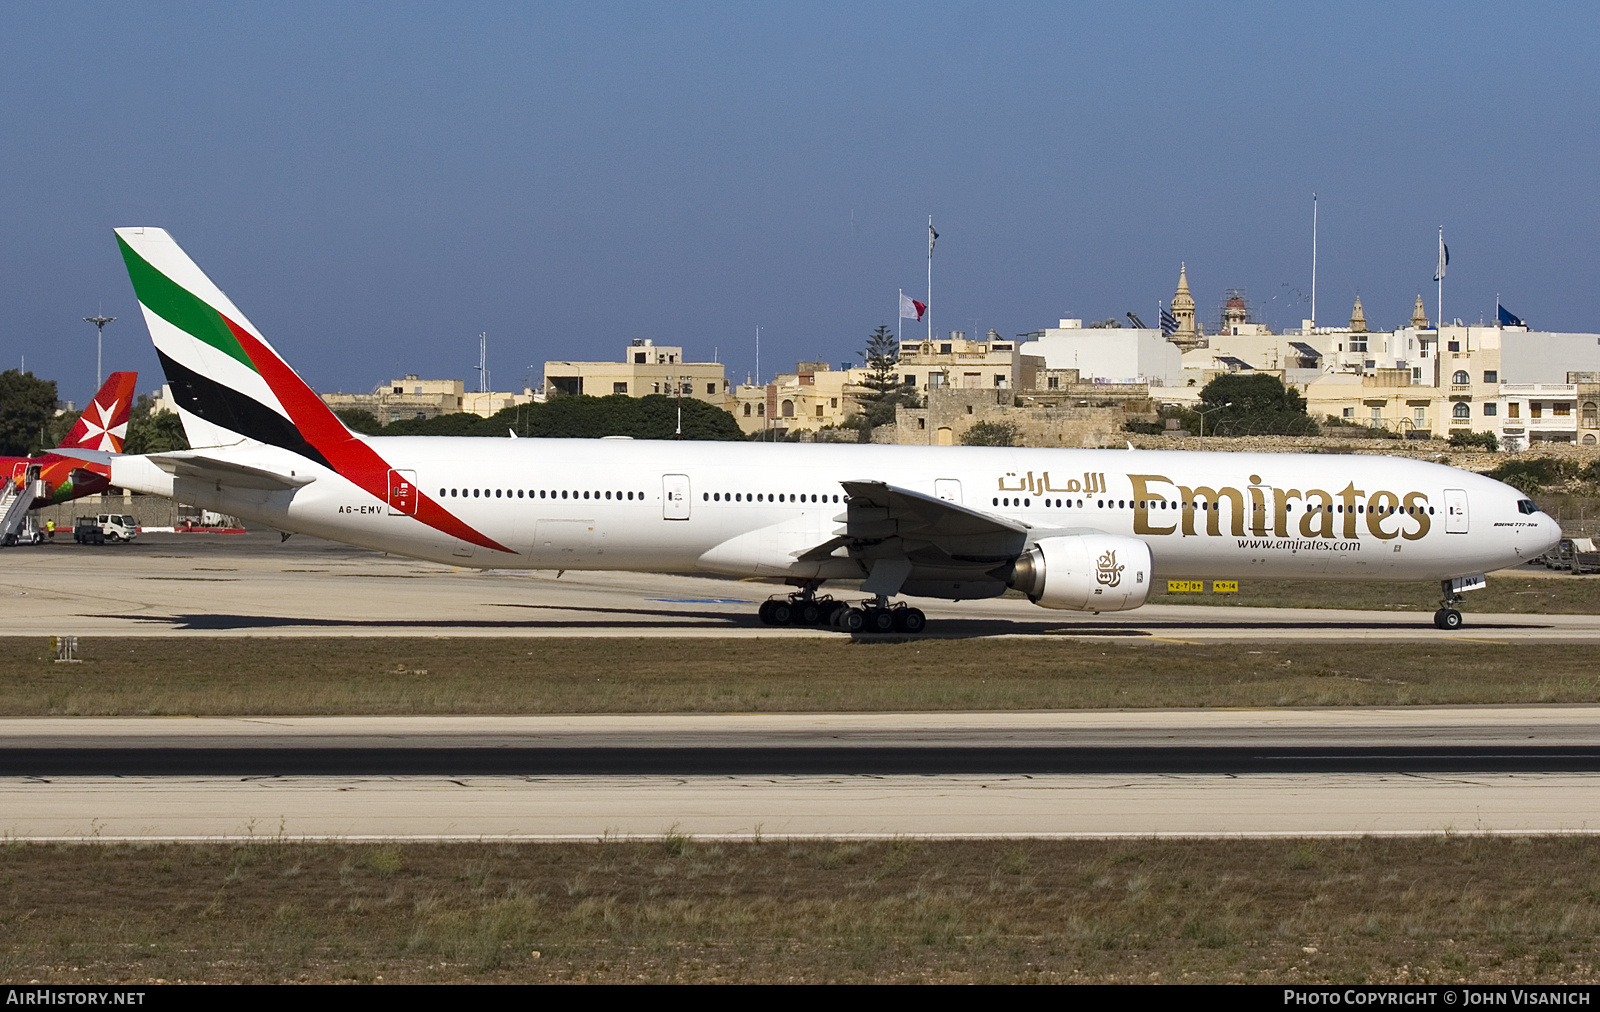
{"x":1313,"y":260}
{"x":899,"y":317}
{"x":929,"y":310}
{"x":1440,"y":279}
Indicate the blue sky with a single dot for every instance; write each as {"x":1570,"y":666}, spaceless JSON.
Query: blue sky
{"x":375,"y":184}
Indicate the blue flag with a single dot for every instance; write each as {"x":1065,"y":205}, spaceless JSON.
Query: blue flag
{"x":1169,"y":323}
{"x":1510,"y":319}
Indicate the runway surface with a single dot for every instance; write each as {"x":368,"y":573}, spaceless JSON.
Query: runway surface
{"x":1490,"y":770}
{"x":1435,"y":740}
{"x":253,"y":585}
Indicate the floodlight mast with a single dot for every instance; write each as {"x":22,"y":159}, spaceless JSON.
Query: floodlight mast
{"x":99,"y":344}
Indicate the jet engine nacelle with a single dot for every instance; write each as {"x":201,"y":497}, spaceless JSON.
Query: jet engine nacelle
{"x":1085,"y":572}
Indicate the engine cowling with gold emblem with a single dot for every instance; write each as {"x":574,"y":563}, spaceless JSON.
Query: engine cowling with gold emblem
{"x":1086,"y":572}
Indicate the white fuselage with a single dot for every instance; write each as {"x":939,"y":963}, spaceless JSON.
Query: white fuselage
{"x":750,"y":509}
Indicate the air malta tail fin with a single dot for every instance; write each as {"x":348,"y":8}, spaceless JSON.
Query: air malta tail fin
{"x":104,"y":423}
{"x":231,"y":388}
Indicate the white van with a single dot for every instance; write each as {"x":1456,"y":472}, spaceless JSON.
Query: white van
{"x":118,"y":526}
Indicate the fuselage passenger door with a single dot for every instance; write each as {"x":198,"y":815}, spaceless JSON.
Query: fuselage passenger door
{"x":1455,"y":511}
{"x":402,"y":493}
{"x":675,"y":497}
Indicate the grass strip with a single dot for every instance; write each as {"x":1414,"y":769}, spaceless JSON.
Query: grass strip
{"x":172,"y":676}
{"x":1379,"y":910}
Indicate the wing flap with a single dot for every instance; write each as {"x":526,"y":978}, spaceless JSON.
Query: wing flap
{"x":940,"y":548}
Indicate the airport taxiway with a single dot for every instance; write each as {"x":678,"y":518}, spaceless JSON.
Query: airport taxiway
{"x":253,"y":585}
{"x":970,"y":805}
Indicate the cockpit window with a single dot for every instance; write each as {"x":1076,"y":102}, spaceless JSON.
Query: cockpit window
{"x":1527,"y":506}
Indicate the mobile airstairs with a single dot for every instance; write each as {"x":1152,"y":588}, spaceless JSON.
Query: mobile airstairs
{"x":15,"y":499}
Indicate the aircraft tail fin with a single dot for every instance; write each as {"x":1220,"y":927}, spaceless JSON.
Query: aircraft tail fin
{"x":230,"y":387}
{"x":227,"y":382}
{"x":104,"y":423}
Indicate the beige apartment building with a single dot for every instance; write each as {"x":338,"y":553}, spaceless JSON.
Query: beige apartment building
{"x":956,"y":362}
{"x":1060,"y":410}
{"x":646,"y":368}
{"x":410,"y":397}
{"x":813,"y":397}
{"x":414,"y":397}
{"x":816,"y":396}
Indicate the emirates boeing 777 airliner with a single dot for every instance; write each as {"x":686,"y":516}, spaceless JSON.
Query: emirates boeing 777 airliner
{"x":1086,"y":530}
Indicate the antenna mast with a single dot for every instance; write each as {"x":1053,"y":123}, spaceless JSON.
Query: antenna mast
{"x":99,"y":345}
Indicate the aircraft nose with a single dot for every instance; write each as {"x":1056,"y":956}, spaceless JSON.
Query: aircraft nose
{"x":1551,"y":531}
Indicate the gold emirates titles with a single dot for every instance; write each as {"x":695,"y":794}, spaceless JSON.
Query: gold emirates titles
{"x":1386,"y":515}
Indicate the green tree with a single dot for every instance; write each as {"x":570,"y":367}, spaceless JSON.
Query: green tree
{"x":1466,"y":440}
{"x":991,"y":434}
{"x":359,"y":420}
{"x":148,"y":433}
{"x":1257,"y":404}
{"x":56,"y":429}
{"x":1531,"y":475}
{"x":461,"y":423}
{"x":581,"y":416}
{"x":26,"y":406}
{"x":884,"y":391}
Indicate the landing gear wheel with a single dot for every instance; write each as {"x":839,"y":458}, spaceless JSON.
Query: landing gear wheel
{"x":782,"y":612}
{"x":808,"y":613}
{"x":1447,"y":618}
{"x":880,"y":620}
{"x":910,"y":620}
{"x":765,"y":612}
{"x":852,"y":620}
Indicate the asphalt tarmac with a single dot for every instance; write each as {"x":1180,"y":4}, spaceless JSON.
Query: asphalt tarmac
{"x":255,"y":585}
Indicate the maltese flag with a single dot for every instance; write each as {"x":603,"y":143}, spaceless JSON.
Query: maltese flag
{"x":911,"y":309}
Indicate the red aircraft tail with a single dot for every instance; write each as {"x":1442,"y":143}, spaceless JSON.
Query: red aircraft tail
{"x":104,"y":423}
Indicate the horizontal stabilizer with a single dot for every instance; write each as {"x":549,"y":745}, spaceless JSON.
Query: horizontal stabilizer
{"x":84,"y":454}
{"x":226,"y":472}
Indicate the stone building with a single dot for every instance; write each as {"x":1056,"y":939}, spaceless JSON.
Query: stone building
{"x":813,"y":397}
{"x":646,"y":368}
{"x":1060,"y":411}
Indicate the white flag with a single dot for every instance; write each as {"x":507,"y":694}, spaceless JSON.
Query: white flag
{"x":911,"y":309}
{"x":1444,"y":260}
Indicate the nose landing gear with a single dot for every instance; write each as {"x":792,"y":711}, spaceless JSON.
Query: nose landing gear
{"x":1447,"y":617}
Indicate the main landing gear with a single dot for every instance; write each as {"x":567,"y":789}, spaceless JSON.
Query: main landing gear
{"x":875,"y":617}
{"x":1447,"y":617}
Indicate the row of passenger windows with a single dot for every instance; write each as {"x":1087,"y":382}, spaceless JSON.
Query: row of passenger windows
{"x":532,"y":493}
{"x":1199,"y":504}
{"x":762,"y":497}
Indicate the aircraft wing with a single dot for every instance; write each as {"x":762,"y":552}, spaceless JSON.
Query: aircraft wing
{"x":188,"y":464}
{"x":919,"y":544}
